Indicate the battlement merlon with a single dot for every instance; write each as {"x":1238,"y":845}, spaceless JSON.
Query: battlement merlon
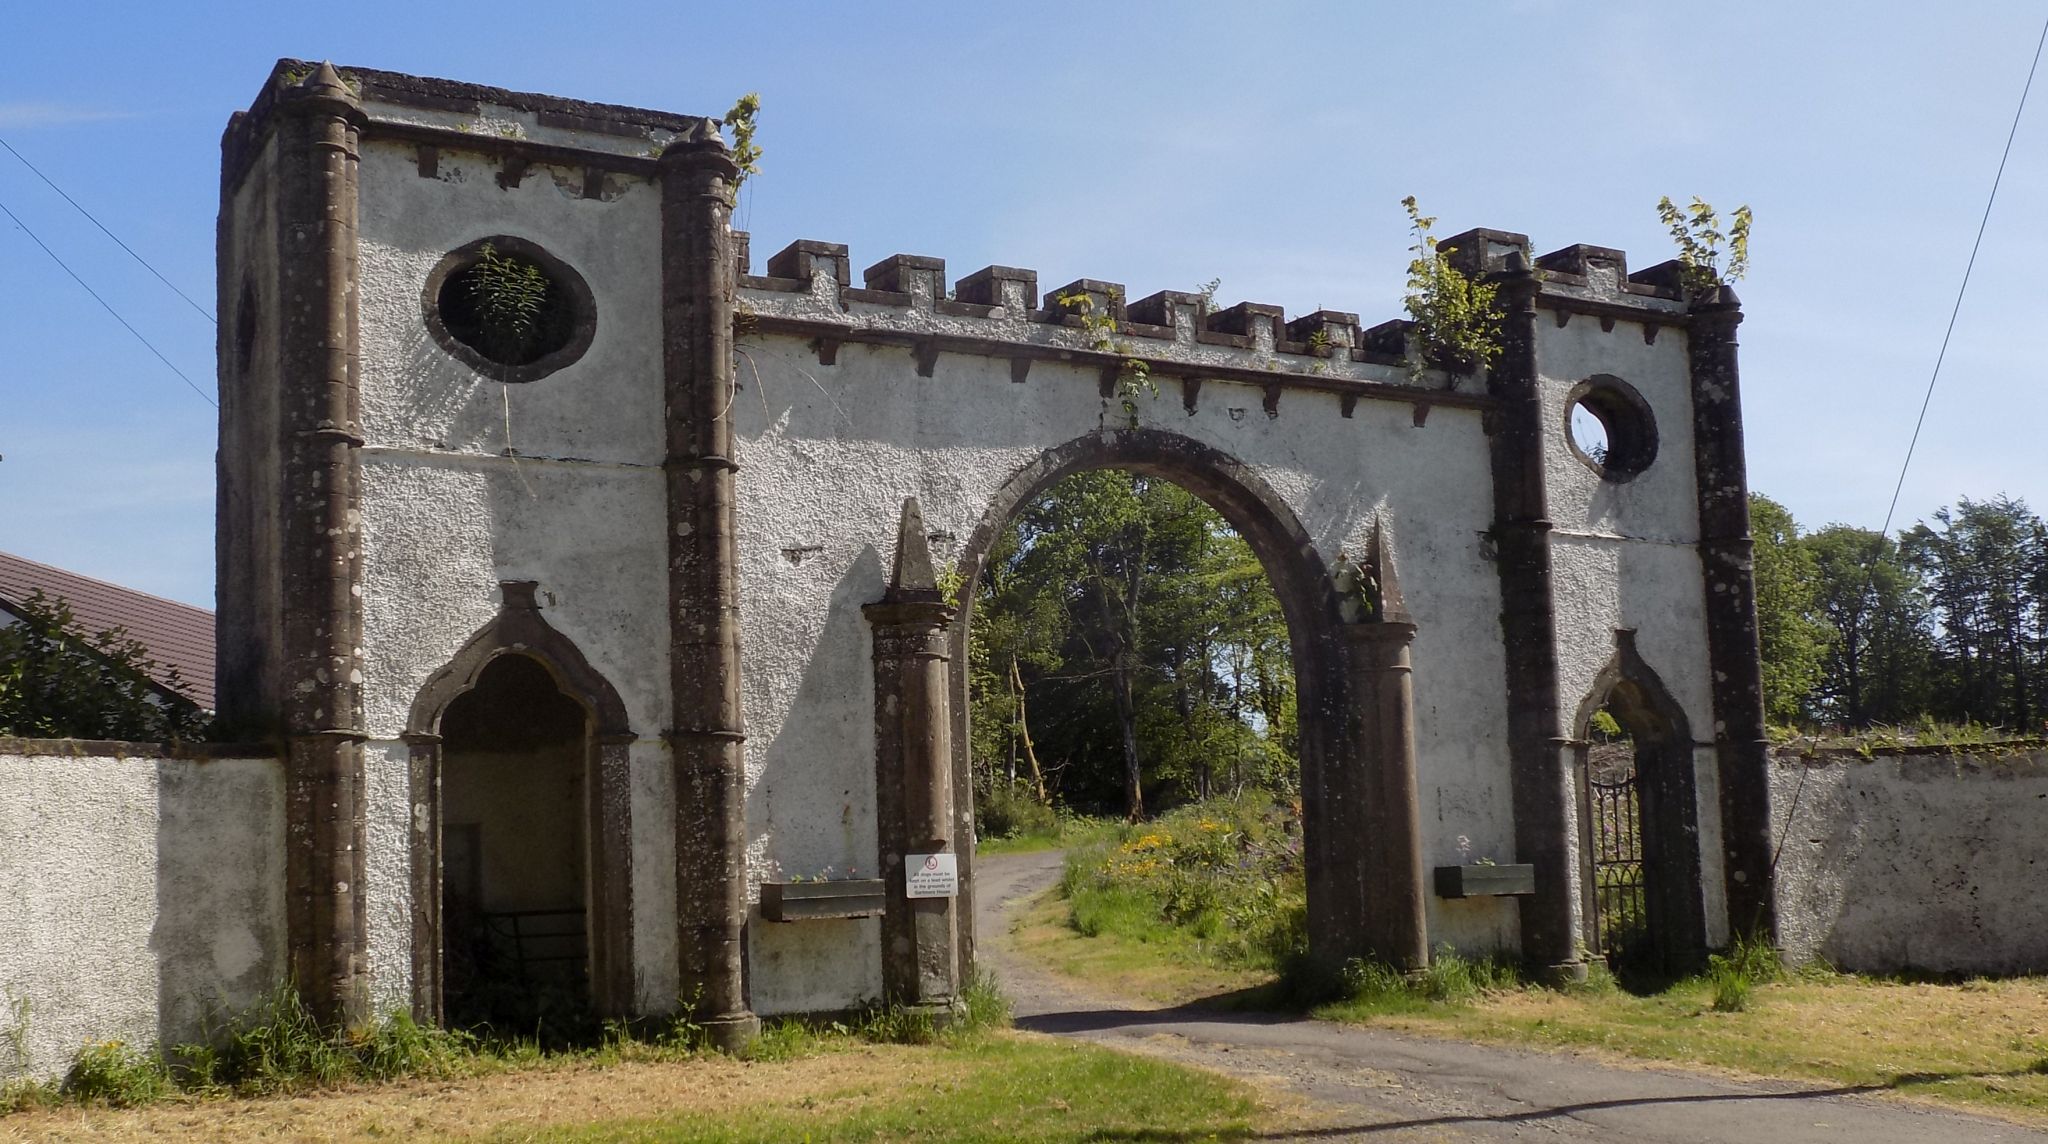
{"x":514,"y":126}
{"x":997,"y":311}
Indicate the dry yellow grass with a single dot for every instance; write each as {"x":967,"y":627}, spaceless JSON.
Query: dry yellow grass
{"x":514,"y":1103}
{"x":1980,"y":1043}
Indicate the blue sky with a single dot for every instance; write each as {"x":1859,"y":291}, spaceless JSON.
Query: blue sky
{"x":1158,"y":145}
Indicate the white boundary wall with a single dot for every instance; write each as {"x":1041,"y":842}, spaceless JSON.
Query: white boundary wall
{"x":141,"y":896}
{"x":1914,"y":862}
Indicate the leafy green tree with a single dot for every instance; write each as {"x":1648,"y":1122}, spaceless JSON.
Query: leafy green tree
{"x":58,"y":681}
{"x":1983,"y":563}
{"x":1878,"y":666}
{"x":1793,"y":643}
{"x":1126,"y":638}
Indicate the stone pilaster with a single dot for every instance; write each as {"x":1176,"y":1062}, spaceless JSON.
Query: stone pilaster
{"x":708,"y":733}
{"x":1393,"y":914}
{"x":914,"y":770}
{"x":1521,"y":535}
{"x":1726,"y":560}
{"x":319,"y":123}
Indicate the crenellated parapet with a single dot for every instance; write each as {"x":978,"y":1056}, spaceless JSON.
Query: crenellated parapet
{"x":808,"y":291}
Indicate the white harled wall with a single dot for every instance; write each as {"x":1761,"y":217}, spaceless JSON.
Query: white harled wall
{"x":448,"y":514}
{"x":141,"y":898}
{"x":1624,"y":553}
{"x":827,"y":455}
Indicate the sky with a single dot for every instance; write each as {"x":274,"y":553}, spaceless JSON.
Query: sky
{"x":1159,"y":145}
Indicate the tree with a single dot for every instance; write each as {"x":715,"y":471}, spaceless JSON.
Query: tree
{"x":1791,"y":640}
{"x":1150,"y":654}
{"x":58,"y":681}
{"x":1983,"y":564}
{"x":1879,"y":659}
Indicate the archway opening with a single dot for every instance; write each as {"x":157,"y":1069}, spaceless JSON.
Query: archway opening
{"x":1639,"y":836}
{"x":1129,"y":659}
{"x":515,"y":846}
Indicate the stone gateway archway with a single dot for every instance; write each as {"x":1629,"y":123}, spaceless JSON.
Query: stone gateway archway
{"x":708,"y":467}
{"x":1362,"y":848}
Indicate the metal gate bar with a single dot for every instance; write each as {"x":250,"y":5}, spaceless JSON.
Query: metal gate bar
{"x":1617,"y":840}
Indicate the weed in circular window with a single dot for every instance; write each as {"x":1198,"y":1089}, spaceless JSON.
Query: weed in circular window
{"x":508,"y":309}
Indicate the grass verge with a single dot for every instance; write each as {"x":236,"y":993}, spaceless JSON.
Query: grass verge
{"x":1137,"y":914}
{"x":826,"y":1087}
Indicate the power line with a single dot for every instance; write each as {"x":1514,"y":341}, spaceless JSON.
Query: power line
{"x":203,"y":395}
{"x":1964,"y":288}
{"x":203,"y":312}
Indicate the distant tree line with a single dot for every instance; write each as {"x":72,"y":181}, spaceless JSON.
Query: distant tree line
{"x":1948,"y":622}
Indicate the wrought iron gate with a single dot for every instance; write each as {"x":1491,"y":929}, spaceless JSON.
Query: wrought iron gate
{"x":1615,"y":810}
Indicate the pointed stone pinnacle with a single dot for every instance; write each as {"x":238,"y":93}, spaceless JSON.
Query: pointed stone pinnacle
{"x":327,"y":82}
{"x":913,"y":577}
{"x":1379,"y":562}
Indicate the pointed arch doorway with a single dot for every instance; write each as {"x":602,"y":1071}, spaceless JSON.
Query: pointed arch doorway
{"x":1638,"y":822}
{"x":521,"y":846}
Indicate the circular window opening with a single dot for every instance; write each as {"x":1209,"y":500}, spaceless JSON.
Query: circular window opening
{"x":1610,"y":427}
{"x":508,"y":309}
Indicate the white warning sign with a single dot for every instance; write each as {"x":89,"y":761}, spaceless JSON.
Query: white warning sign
{"x":931,"y":875}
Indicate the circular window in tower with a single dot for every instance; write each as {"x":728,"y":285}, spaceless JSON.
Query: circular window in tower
{"x":508,"y":309}
{"x":1610,"y":428}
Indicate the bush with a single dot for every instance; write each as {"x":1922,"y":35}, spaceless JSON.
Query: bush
{"x":1007,"y":810}
{"x":110,"y":1072}
{"x":1225,"y":876}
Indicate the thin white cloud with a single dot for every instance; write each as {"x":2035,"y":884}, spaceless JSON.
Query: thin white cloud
{"x":15,"y":116}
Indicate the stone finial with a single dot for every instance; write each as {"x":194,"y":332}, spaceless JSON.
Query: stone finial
{"x":324,"y":85}
{"x":702,"y":133}
{"x":913,"y":578}
{"x":1379,"y":570}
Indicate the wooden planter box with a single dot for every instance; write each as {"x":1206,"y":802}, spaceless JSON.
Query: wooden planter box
{"x":1485,"y":881}
{"x":810,"y":901}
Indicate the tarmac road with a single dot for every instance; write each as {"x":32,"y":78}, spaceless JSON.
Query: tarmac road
{"x":1371,"y":1085}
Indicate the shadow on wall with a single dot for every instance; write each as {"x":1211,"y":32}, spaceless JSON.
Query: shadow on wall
{"x":814,"y":809}
{"x":219,"y":937}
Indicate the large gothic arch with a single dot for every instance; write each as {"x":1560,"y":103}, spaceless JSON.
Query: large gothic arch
{"x":1364,"y":869}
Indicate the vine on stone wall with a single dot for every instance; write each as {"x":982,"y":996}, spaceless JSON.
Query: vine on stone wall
{"x":1134,"y":375}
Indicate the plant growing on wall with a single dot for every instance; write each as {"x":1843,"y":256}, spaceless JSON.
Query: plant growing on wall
{"x":1134,"y":375}
{"x":746,"y":154}
{"x":509,"y":302}
{"x":1457,"y":319}
{"x":1697,"y":231}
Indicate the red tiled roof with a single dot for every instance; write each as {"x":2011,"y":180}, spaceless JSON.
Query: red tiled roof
{"x":177,"y":635}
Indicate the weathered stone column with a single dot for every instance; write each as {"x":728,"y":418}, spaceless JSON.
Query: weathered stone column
{"x":708,"y":732}
{"x":1726,"y":560}
{"x":914,"y":770}
{"x":318,"y":126}
{"x":1393,"y":915}
{"x":1521,"y":535}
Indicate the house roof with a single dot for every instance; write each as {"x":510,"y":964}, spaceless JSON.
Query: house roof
{"x":177,"y":635}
